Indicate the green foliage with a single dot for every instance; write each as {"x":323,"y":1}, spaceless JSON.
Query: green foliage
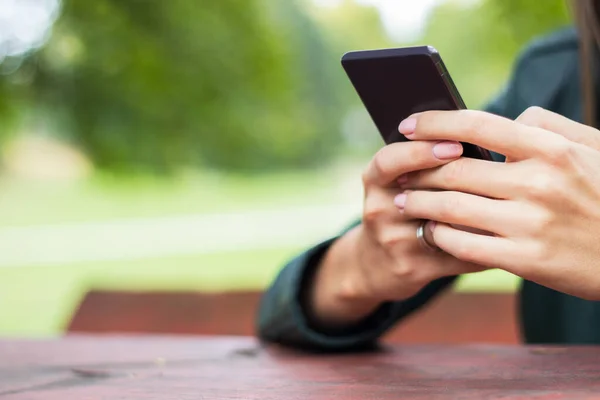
{"x":479,"y":42}
{"x":236,"y":84}
{"x":229,"y":83}
{"x":10,"y":102}
{"x":350,"y":26}
{"x":527,"y":18}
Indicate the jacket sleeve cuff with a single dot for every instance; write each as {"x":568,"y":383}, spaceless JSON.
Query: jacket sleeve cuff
{"x":290,"y":323}
{"x":283,"y":319}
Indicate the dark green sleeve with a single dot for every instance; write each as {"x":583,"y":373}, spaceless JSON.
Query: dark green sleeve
{"x":283,"y":319}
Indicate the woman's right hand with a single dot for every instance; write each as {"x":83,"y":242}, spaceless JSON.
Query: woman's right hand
{"x":381,"y":259}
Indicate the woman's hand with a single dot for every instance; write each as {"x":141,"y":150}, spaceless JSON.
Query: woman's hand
{"x":542,"y":207}
{"x":382,"y":260}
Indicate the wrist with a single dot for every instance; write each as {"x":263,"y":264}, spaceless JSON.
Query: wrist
{"x":339,"y":295}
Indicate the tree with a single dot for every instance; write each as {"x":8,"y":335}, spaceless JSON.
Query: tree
{"x":243,"y":84}
{"x":479,"y":41}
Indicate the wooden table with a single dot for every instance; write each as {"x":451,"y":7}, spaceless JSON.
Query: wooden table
{"x":150,"y":367}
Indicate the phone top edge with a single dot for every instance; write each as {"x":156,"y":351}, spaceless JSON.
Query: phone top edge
{"x":392,"y":52}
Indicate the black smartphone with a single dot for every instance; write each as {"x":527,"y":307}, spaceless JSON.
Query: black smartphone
{"x":395,"y":83}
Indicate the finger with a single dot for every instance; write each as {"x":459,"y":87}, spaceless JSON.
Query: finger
{"x":431,"y":225}
{"x":414,"y":263}
{"x":469,"y":175}
{"x":397,"y":159}
{"x":502,"y":217}
{"x":495,"y":133}
{"x":550,"y":121}
{"x":488,"y":251}
{"x":442,"y":264}
{"x":379,"y":208}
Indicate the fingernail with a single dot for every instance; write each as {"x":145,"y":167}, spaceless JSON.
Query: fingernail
{"x":431,"y":226}
{"x":400,"y":201}
{"x":447,"y":150}
{"x":407,"y":127}
{"x":402,"y":179}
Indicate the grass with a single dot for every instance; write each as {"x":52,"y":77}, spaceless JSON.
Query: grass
{"x":37,"y":203}
{"x":38,"y":301}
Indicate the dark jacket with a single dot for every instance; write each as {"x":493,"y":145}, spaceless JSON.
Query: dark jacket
{"x":547,"y":75}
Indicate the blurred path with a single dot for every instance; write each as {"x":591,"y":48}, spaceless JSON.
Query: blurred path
{"x":181,"y":235}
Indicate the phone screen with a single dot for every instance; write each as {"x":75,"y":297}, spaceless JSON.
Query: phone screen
{"x":395,"y":83}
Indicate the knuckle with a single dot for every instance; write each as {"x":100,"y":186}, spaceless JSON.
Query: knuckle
{"x":466,"y":253}
{"x":372,"y":214}
{"x":532,"y":116}
{"x":376,"y":207}
{"x":542,"y":185}
{"x":405,"y":271}
{"x":468,"y":113}
{"x":539,"y":254}
{"x":541,"y":222}
{"x":365,"y":178}
{"x":380,"y":164}
{"x":450,"y":208}
{"x":389,"y":239}
{"x":454,"y":172}
{"x":560,"y":152}
{"x":477,"y":122}
{"x":390,"y":236}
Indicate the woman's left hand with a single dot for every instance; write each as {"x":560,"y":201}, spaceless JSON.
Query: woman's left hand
{"x":542,"y":207}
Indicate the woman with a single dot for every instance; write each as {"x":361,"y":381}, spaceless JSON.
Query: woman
{"x":430,"y":215}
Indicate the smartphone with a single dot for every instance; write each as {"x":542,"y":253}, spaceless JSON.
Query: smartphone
{"x":395,"y":83}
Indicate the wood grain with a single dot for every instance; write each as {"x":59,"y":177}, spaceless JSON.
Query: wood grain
{"x":96,"y":367}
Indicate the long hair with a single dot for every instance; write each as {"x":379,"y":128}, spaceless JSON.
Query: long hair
{"x":587,"y":22}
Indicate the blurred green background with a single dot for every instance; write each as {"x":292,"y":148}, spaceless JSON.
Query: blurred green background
{"x":198,"y":145}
